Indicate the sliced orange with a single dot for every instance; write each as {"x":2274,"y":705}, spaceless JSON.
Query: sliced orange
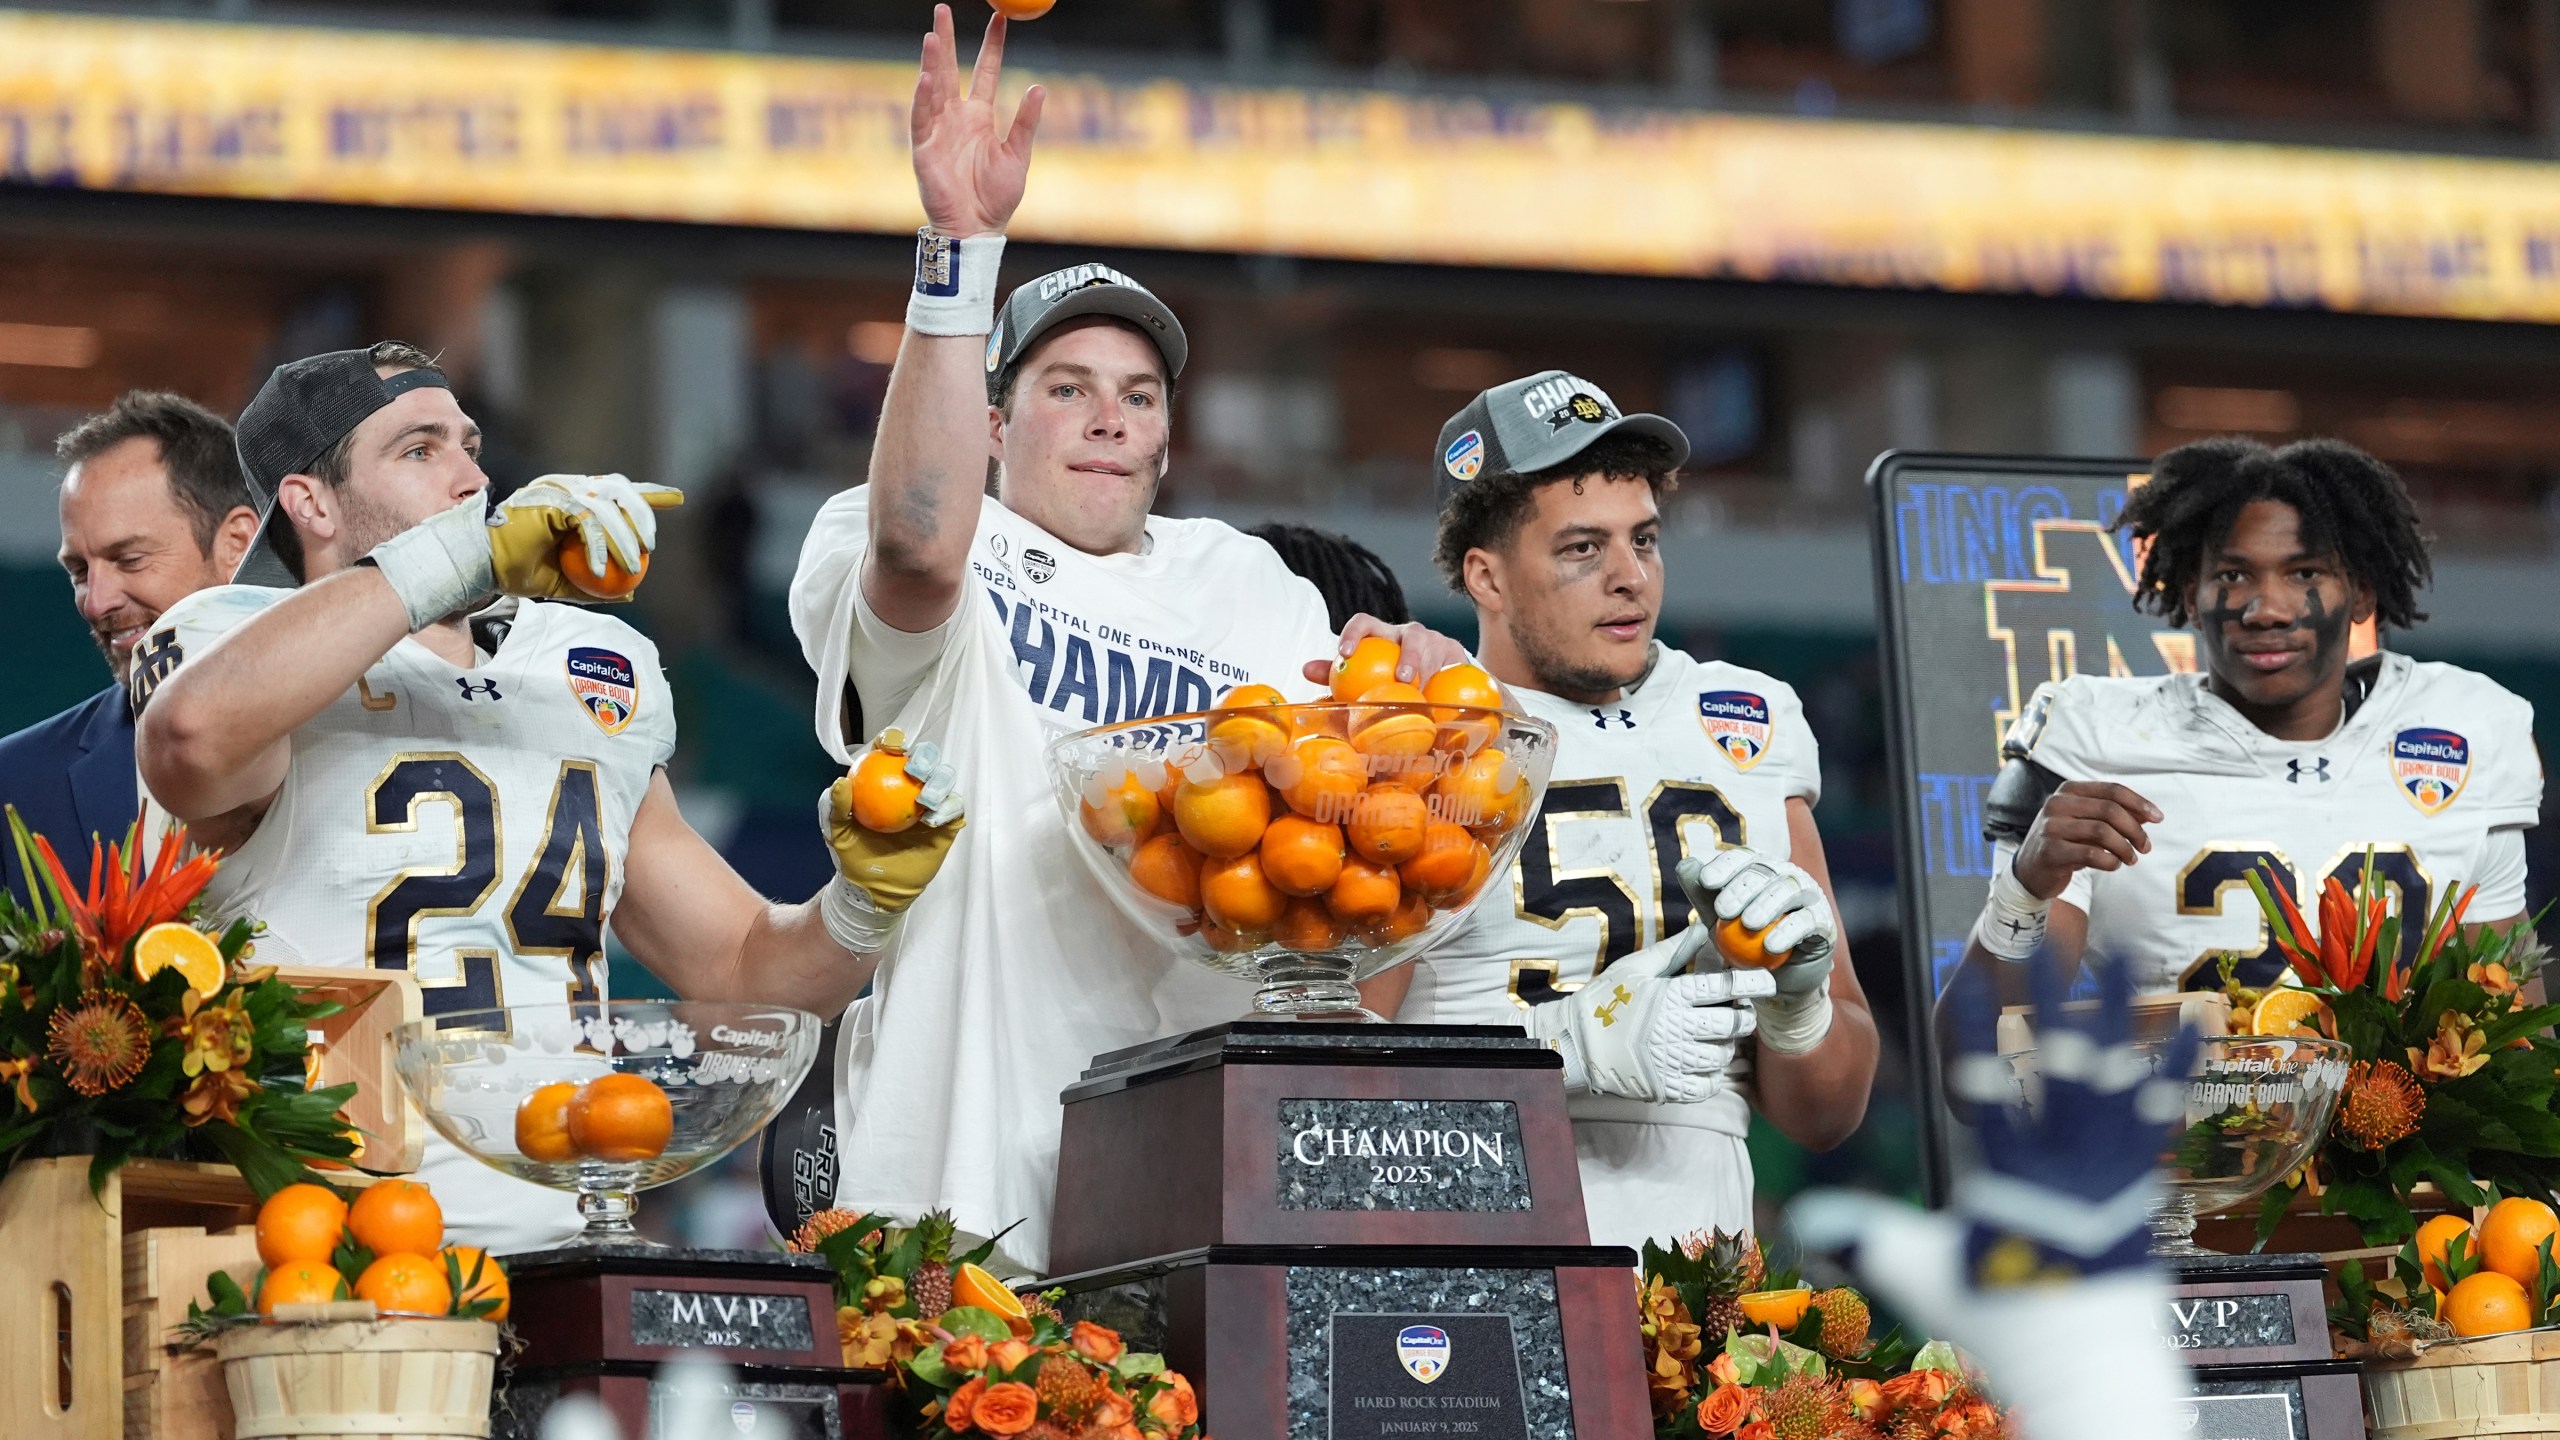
{"x":179,"y":947}
{"x":1782,"y":1308}
{"x":2287,"y":1011}
{"x":971,"y":1285}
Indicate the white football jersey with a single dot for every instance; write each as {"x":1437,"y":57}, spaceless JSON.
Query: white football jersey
{"x":468,"y":825}
{"x":1701,"y":755}
{"x":2435,"y":772}
{"x":1013,"y":969}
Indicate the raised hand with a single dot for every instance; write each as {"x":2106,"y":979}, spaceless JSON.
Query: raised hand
{"x":2083,"y":825}
{"x":970,"y":169}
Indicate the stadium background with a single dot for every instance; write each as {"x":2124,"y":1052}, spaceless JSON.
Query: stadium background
{"x":667,"y":237}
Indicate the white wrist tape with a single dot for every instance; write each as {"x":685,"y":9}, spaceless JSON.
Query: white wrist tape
{"x":852,"y":920}
{"x":1794,"y":1024}
{"x":955,"y":290}
{"x":440,"y":566}
{"x":2012,"y":922}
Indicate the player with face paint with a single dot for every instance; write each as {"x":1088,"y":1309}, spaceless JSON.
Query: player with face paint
{"x":2130,"y":811}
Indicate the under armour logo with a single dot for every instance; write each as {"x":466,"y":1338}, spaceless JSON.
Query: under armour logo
{"x":1609,"y":1013}
{"x":1600,"y":718}
{"x":471,"y":691}
{"x":2319,"y":770}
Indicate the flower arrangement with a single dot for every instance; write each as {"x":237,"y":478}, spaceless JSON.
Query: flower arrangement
{"x":1734,"y":1346}
{"x":973,"y":1358}
{"x":2452,"y":1075}
{"x":125,"y":1030}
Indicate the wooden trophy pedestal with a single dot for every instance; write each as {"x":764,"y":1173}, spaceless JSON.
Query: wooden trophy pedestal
{"x":602,"y":1321}
{"x":2256,"y":1331}
{"x":1349,"y":1231}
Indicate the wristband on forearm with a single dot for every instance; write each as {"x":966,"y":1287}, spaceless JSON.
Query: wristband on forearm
{"x":440,"y":566}
{"x":955,"y":291}
{"x":1794,"y":1024}
{"x":851,"y":919}
{"x":2012,"y":922}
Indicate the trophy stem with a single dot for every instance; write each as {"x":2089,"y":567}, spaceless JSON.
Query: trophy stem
{"x":1296,"y":989}
{"x":608,"y":1215}
{"x":2173,"y":1225}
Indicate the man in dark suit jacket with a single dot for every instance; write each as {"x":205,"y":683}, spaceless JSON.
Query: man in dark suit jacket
{"x":153,"y":510}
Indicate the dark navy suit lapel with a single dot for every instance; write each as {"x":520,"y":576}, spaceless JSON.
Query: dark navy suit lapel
{"x":104,"y":794}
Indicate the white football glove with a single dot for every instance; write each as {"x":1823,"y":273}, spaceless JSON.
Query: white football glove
{"x":1767,"y":893}
{"x":1644,"y":1030}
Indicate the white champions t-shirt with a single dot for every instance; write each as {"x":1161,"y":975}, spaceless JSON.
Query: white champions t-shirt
{"x":1013,"y":969}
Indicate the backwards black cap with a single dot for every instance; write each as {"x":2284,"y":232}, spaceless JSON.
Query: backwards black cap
{"x":304,"y":408}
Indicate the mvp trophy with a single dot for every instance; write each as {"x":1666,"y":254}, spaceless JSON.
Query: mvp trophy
{"x":1346,"y":1230}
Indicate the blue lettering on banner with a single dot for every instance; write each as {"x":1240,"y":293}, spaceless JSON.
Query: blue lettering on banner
{"x":1951,"y":841}
{"x":1947,"y":534}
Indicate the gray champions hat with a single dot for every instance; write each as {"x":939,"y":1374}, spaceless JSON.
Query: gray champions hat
{"x":1533,"y":423}
{"x":304,"y":408}
{"x":1035,"y":308}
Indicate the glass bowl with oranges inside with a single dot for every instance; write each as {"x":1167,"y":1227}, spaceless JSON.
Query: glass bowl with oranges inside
{"x":1306,"y":846}
{"x":605,"y":1099}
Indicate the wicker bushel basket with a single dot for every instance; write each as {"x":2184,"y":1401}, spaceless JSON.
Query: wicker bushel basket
{"x":363,"y":1380}
{"x":2503,"y":1385}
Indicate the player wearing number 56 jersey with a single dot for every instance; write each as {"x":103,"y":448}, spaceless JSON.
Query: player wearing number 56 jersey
{"x":408,"y":776}
{"x":2132,"y":810}
{"x":1680,"y":787}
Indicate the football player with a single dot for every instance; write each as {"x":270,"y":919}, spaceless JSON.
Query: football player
{"x":1680,"y":786}
{"x":2131,"y":811}
{"x":997,"y":622}
{"x":408,"y":777}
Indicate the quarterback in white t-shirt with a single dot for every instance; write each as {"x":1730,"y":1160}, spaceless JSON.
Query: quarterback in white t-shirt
{"x":996,"y":623}
{"x":2131,"y":810}
{"x":406,"y":776}
{"x":1680,"y":786}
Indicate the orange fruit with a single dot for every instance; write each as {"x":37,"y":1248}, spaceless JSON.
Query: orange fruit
{"x":1317,"y":719}
{"x":406,"y":1285}
{"x":1446,"y":862}
{"x":397,"y":1217}
{"x":300,"y":1222}
{"x":542,"y":1123}
{"x":2511,"y":1235}
{"x":1412,"y":912}
{"x":1370,"y":664}
{"x":2286,"y":1011}
{"x":1746,"y":948}
{"x":1366,"y":894}
{"x":1301,"y":856}
{"x":490,"y":1284}
{"x":971,"y":1285}
{"x":884,"y":795}
{"x":1021,"y":9}
{"x":612,"y":583}
{"x":1306,"y":925}
{"x":1252,"y":730}
{"x":183,"y":948}
{"x":1330,"y":776}
{"x":1466,"y":894}
{"x":621,"y":1117}
{"x":2435,"y":1243}
{"x":299,"y":1282}
{"x":1224,"y":818}
{"x":1126,"y":814}
{"x":2487,"y":1304}
{"x":1236,"y":894}
{"x":1452,"y":687}
{"x":1386,"y":825}
{"x":1782,"y":1308}
{"x":1399,"y":729}
{"x":1226,"y":941}
{"x":1484,"y":793}
{"x":1169,"y":870}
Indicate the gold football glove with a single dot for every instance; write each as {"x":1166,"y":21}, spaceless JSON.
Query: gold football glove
{"x":879,"y":873}
{"x":611,"y":519}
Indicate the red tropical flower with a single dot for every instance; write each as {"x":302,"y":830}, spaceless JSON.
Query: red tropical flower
{"x":124,"y":898}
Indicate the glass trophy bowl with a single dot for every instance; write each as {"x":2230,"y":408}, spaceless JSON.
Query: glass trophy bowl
{"x":516,"y":1089}
{"x":1274,"y":785}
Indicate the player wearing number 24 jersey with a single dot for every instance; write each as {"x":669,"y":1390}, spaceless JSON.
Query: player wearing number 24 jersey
{"x":2131,"y":811}
{"x":1682,"y":795}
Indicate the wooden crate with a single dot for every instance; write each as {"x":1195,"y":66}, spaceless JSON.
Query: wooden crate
{"x":2502,"y":1385}
{"x":176,"y":1396}
{"x":356,"y":1045}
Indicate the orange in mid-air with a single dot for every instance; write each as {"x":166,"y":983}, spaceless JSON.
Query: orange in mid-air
{"x":1169,"y":870}
{"x":1127,"y":814}
{"x":406,"y":1285}
{"x":299,"y":1282}
{"x":1236,"y":894}
{"x":300,"y":1222}
{"x":1021,"y":9}
{"x":542,"y":1123}
{"x":612,"y":583}
{"x":621,"y":1117}
{"x":1370,"y":664}
{"x":1301,"y":856}
{"x":397,"y":1217}
{"x":1224,"y":818}
{"x":476,"y":1274}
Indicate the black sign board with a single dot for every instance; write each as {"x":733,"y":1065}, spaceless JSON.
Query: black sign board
{"x":721,"y":1320}
{"x":1343,"y":1154}
{"x":1399,"y":1376}
{"x":1994,"y":574}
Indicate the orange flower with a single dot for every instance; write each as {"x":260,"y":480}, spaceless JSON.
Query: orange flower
{"x":2455,"y":1051}
{"x":1725,"y":1371}
{"x":964,"y":1405}
{"x":1724,"y":1410}
{"x":866,"y":1339}
{"x":1112,"y":1411}
{"x":968,"y":1352}
{"x":1005,"y":1355}
{"x":1927,"y":1388}
{"x":1867,"y":1398}
{"x":1098,"y":1343}
{"x":1759,"y":1430}
{"x":124,"y":898}
{"x":2492,"y":977}
{"x":216,"y":1095}
{"x":1175,"y":1406}
{"x":1006,"y":1409}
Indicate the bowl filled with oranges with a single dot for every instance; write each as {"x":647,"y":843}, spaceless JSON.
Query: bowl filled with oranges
{"x":605,"y":1100}
{"x":1308,"y":846}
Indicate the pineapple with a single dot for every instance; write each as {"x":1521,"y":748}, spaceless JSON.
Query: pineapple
{"x":1066,"y":1390}
{"x":1844,"y":1322}
{"x":1733,"y":1269}
{"x":930,"y":1284}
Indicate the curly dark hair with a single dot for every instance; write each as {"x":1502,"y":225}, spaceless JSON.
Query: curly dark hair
{"x":1488,"y":511}
{"x":1349,"y":575}
{"x":2352,"y":506}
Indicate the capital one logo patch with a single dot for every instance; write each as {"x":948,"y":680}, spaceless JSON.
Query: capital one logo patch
{"x":1423,"y":1350}
{"x":1737,"y":721}
{"x":2430,"y":765}
{"x":605,"y":683}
